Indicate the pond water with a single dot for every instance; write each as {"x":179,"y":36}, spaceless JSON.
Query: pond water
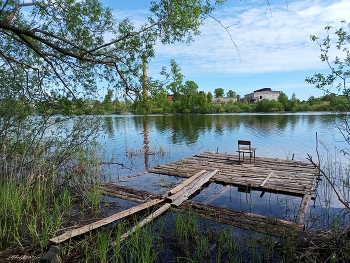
{"x":133,"y":144}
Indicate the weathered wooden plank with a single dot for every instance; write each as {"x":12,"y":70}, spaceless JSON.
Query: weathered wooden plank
{"x":116,"y":190}
{"x":186,"y":182}
{"x":267,"y":178}
{"x":124,"y":196}
{"x":147,"y":220}
{"x":257,"y":182}
{"x":244,"y":169}
{"x":252,"y":173}
{"x":84,"y":229}
{"x":260,"y":161}
{"x":178,"y":198}
{"x":302,"y":209}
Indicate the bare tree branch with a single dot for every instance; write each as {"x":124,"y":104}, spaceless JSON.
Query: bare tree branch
{"x":340,"y":198}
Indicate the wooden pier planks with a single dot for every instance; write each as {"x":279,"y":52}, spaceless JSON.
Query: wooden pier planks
{"x":193,"y":186}
{"x":267,"y":174}
{"x":186,"y":182}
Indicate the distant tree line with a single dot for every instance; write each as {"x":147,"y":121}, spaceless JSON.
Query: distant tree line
{"x":185,"y":98}
{"x":178,"y":97}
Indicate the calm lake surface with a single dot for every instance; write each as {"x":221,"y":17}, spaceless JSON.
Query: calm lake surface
{"x":136,"y":143}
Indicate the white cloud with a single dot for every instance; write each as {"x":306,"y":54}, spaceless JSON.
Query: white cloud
{"x":267,"y":41}
{"x":274,"y":46}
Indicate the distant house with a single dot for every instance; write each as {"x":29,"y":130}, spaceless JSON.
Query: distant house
{"x":265,"y":93}
{"x":223,"y":100}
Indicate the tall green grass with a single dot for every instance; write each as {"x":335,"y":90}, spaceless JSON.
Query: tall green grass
{"x":30,"y":213}
{"x":36,"y":202}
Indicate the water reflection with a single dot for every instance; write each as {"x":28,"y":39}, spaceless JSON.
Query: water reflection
{"x":180,"y":128}
{"x":146,"y":141}
{"x":274,"y":135}
{"x":108,"y":126}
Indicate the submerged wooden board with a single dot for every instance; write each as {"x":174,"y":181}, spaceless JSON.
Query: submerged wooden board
{"x":244,"y":220}
{"x":266,"y":174}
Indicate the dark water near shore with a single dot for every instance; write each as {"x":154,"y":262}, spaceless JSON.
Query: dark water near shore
{"x":137,"y":143}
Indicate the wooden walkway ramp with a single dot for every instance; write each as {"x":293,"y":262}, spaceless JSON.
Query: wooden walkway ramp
{"x":266,"y":174}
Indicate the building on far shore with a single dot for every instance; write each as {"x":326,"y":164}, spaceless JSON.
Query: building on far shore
{"x":265,"y":93}
{"x":223,"y":100}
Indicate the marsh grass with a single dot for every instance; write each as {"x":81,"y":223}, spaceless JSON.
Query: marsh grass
{"x":39,"y":198}
{"x":176,"y":237}
{"x":30,"y":213}
{"x":184,"y":237}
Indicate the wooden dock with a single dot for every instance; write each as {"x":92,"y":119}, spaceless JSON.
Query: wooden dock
{"x":275,"y":175}
{"x":265,"y":174}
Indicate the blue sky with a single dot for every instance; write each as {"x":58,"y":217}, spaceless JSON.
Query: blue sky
{"x":273,"y":44}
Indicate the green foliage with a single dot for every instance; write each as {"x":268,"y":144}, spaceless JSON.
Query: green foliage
{"x":339,"y":65}
{"x":209,"y":97}
{"x":339,"y":104}
{"x":67,"y":48}
{"x":231,"y":94}
{"x":304,"y":106}
{"x":219,"y":92}
{"x":266,"y":105}
{"x":233,"y":108}
{"x":293,"y":103}
{"x":283,"y":99}
{"x":335,"y":52}
{"x":322,"y":106}
{"x":247,"y":107}
{"x":186,"y":97}
{"x":181,"y":20}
